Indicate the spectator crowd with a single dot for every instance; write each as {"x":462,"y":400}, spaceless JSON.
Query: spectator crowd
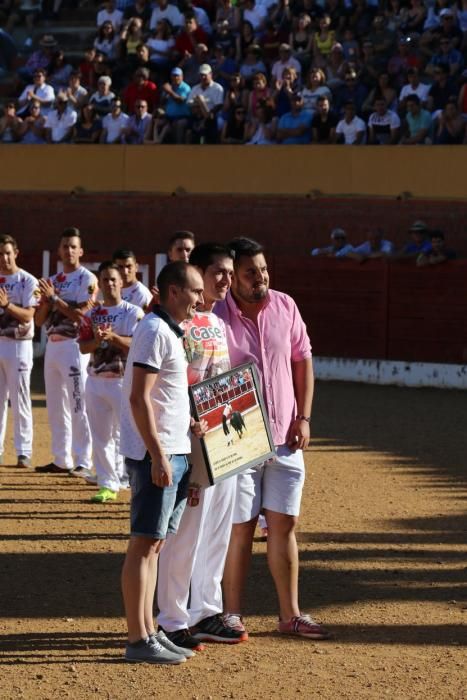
{"x":246,"y":72}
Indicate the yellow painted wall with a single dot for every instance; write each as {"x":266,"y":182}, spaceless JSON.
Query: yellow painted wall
{"x":426,"y":172}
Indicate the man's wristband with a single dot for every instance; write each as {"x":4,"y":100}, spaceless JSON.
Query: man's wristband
{"x":307,"y":418}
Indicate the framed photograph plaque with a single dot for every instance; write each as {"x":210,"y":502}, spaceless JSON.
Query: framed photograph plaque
{"x":239,"y":435}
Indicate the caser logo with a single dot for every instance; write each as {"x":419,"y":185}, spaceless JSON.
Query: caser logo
{"x":61,"y":277}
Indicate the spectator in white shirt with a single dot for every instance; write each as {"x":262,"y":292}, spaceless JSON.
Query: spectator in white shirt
{"x":39,"y":91}
{"x":414,"y":86}
{"x":114,"y":124}
{"x":351,"y":129}
{"x":286,"y":60}
{"x":110,"y":14}
{"x":59,"y":122}
{"x":162,"y":10}
{"x":383,"y":125}
{"x":207,"y":96}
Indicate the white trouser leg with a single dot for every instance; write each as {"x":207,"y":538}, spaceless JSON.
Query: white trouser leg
{"x":211,"y":552}
{"x":176,"y":565}
{"x":16,"y":361}
{"x":64,"y":387}
{"x":3,"y":401}
{"x":103,"y":398}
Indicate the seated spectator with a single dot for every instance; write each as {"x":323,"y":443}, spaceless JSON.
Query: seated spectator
{"x":31,"y":129}
{"x":351,"y":130}
{"x":141,"y":88}
{"x":404,"y":60}
{"x":9,"y":124}
{"x":396,"y":15}
{"x":252,"y":64}
{"x":383,"y":125}
{"x":350,"y":46}
{"x":39,"y":91}
{"x":59,"y":71}
{"x":384,"y":90}
{"x":438,"y":252}
{"x":165,"y":11}
{"x":102,"y":99}
{"x":228,"y":14}
{"x":131,"y":36}
{"x":352,"y":91}
{"x":414,"y":87}
{"x":76,"y":93}
{"x":158,"y":129}
{"x":301,"y":41}
{"x":193,"y":62}
{"x":140,"y":9}
{"x":197,"y":132}
{"x":324,"y":39}
{"x":86,"y":68}
{"x":374,"y":247}
{"x":8,"y":53}
{"x":446,"y":56}
{"x":225,"y":37}
{"x":234,"y":96}
{"x":417,"y":243}
{"x":235,"y":128}
{"x":209,"y":97}
{"x":451,"y":127}
{"x":273,"y":36}
{"x":416,"y":17}
{"x":189,"y":38}
{"x":223,"y":67}
{"x":177,"y":110}
{"x":339,"y":247}
{"x":244,"y":40}
{"x":161,"y":45}
{"x":371,"y":65}
{"x":443,"y":89}
{"x":286,"y":60}
{"x":40,"y":58}
{"x":285,"y":88}
{"x":360,"y":17}
{"x":114,"y":123}
{"x":315,"y":87}
{"x":27,"y":10}
{"x":262,"y":128}
{"x":446,"y":26}
{"x":324,"y":123}
{"x":109,"y":13}
{"x":107,"y":41}
{"x":295,"y":127}
{"x":336,"y":67}
{"x":259,"y":93}
{"x":418,"y":124}
{"x":60,"y":121}
{"x":88,"y":127}
{"x":255,"y":14}
{"x":138,"y":124}
{"x":382,"y":38}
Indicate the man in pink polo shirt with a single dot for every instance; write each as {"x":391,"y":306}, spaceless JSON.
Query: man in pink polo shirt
{"x":265,"y":327}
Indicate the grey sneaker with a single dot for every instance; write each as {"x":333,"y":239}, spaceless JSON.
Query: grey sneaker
{"x":150,"y":651}
{"x":164,"y":641}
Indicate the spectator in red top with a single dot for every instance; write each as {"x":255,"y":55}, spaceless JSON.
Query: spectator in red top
{"x":141,"y":88}
{"x":190,"y":37}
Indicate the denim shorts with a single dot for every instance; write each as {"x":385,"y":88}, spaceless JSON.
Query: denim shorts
{"x":155,"y":511}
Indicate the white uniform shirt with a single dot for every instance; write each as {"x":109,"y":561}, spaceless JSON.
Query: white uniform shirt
{"x":110,"y":360}
{"x":137,"y":294}
{"x":157,"y":346}
{"x":23,"y":290}
{"x":75,"y":288}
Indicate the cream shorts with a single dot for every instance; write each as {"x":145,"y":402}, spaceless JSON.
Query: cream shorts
{"x":276,"y":485}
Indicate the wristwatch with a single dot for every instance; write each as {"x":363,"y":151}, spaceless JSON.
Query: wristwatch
{"x":307,"y":418}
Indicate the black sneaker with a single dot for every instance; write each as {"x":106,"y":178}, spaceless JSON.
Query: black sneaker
{"x":213,"y":629}
{"x":51,"y":468}
{"x":183,"y":638}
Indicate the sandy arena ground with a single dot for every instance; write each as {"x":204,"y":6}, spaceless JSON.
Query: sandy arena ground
{"x":382,"y":541}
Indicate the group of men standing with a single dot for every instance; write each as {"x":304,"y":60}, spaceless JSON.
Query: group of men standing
{"x":143,"y":358}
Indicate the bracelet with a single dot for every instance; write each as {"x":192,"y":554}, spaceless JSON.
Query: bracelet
{"x":307,"y":418}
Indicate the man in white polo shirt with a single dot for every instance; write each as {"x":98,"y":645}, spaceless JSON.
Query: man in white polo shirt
{"x":155,"y":425}
{"x":209,"y":97}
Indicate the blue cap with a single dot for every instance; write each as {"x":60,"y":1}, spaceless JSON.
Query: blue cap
{"x":177,"y":71}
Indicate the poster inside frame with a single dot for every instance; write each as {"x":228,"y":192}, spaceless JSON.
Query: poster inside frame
{"x":239,"y":435}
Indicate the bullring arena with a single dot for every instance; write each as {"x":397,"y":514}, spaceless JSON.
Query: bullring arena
{"x":382,"y":550}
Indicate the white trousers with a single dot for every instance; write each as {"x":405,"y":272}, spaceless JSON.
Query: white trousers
{"x":65,"y":377}
{"x":15,"y":378}
{"x":103,"y":401}
{"x":191,"y":563}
